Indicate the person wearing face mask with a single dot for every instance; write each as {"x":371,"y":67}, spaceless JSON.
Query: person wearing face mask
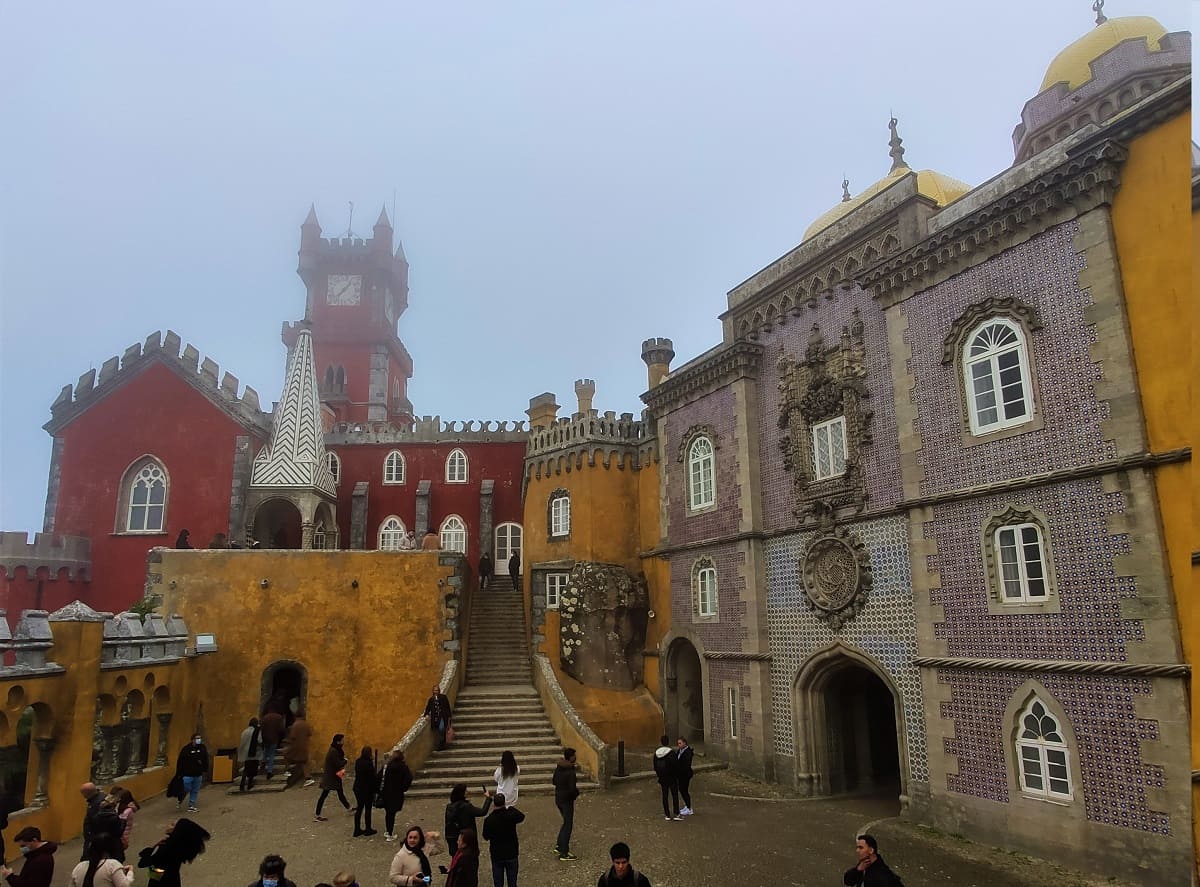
{"x":38,"y":870}
{"x":270,"y":873}
{"x":192,"y":765}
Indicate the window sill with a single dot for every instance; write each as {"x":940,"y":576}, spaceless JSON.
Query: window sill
{"x":703,"y":509}
{"x":140,"y":533}
{"x":1042,"y":799}
{"x":393,"y":483}
{"x":700,"y":620}
{"x":973,"y":438}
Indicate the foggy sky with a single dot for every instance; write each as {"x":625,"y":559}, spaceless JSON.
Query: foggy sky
{"x":569,"y":178}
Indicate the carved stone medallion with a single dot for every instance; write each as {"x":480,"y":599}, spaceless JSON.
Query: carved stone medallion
{"x":835,"y":572}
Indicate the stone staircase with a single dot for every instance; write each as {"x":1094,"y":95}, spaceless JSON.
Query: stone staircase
{"x":498,"y":708}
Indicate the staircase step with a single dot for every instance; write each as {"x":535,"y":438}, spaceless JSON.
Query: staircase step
{"x":421,"y":790}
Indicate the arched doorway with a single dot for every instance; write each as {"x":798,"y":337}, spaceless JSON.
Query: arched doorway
{"x":277,"y":524}
{"x":284,"y":688}
{"x":848,"y":732}
{"x":685,"y":692}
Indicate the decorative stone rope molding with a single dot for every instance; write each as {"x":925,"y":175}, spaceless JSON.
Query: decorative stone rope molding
{"x":736,"y":656}
{"x":421,"y":724}
{"x":1124,"y":669}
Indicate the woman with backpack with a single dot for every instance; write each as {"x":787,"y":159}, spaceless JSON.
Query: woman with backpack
{"x":461,"y":814}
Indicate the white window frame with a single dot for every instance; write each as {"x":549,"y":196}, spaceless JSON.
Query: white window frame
{"x":394,"y":469}
{"x":447,"y":527}
{"x":702,"y":473}
{"x":506,"y":530}
{"x":334,"y":463}
{"x":990,"y":359}
{"x":319,"y":535}
{"x":704,"y":588}
{"x":1040,"y":758}
{"x":824,"y":435}
{"x":457,"y":467}
{"x":731,"y":704}
{"x":560,"y":516}
{"x":392,"y":533}
{"x":556,"y":584}
{"x":1021,"y":564}
{"x":147,"y":470}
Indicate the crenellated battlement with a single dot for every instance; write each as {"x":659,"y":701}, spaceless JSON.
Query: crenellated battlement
{"x":54,"y":553}
{"x":203,"y":373}
{"x":427,"y":429}
{"x":611,"y":440}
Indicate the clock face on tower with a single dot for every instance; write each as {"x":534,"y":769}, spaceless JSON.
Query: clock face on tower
{"x":344,"y":289}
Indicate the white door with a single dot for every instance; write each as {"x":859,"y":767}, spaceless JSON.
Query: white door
{"x":508,"y":540}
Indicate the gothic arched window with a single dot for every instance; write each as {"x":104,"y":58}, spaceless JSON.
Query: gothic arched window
{"x":391,"y":534}
{"x":702,"y":491}
{"x":456,"y":467}
{"x":144,"y":497}
{"x":996,"y":376}
{"x":1042,"y":754}
{"x":335,"y":466}
{"x":454,"y":534}
{"x":393,"y":468}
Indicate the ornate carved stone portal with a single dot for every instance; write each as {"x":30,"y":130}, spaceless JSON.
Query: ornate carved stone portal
{"x":835,"y":573}
{"x":826,"y":383}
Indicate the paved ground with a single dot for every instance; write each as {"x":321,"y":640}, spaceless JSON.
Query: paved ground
{"x":758,"y":837}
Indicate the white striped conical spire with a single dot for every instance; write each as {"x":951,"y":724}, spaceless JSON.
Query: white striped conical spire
{"x":296,"y":455}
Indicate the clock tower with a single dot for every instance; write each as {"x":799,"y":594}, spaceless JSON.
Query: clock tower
{"x":356,"y":291}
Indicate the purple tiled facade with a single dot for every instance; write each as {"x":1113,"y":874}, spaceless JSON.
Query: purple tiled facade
{"x":717,"y":412}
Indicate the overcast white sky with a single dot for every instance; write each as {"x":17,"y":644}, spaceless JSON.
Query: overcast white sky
{"x":570,"y":178}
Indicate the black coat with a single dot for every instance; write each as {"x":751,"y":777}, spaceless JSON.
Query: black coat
{"x":335,"y":763}
{"x":89,"y":819}
{"x":397,"y":777}
{"x":877,"y":875}
{"x":665,"y":769}
{"x":160,"y":856}
{"x":632,"y":877}
{"x":283,"y":882}
{"x":466,"y":873}
{"x":38,"y":870}
{"x":683,"y":763}
{"x":566,"y":787}
{"x":461,"y":815}
{"x":365,"y":780}
{"x":500,"y":831}
{"x":192,"y":761}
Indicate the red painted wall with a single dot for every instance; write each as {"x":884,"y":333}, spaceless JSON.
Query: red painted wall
{"x":500,"y":462}
{"x":157,"y":413}
{"x":20,"y":591}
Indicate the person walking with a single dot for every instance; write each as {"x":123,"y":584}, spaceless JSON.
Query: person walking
{"x":514,"y":570}
{"x":91,"y":798}
{"x":566,"y":790}
{"x":397,"y":778}
{"x":683,"y":774}
{"x":485,"y":570}
{"x":296,"y":753}
{"x":464,"y":867}
{"x":192,"y":765}
{"x":438,"y":710}
{"x":500,"y":831}
{"x":273,"y":727}
{"x":183,"y":841}
{"x":248,"y":754}
{"x":366,"y":781}
{"x":410,"y":866}
{"x":126,"y":808}
{"x":38,"y":870}
{"x":871,"y":870}
{"x":461,"y":814}
{"x":665,"y":770}
{"x":508,"y":778}
{"x":331,"y":776}
{"x":621,"y":872}
{"x":103,"y":868}
{"x":271,"y":873}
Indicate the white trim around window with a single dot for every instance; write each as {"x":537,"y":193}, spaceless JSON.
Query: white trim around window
{"x":393,"y":468}
{"x":456,"y":467}
{"x":1021,"y":559}
{"x":731,"y":700}
{"x":391,"y":534}
{"x":453,"y":534}
{"x":556,"y":584}
{"x":996,"y":376}
{"x":335,"y":466}
{"x":829,"y":448}
{"x":560,"y":515}
{"x":702,"y":491}
{"x":1043,"y":756}
{"x":704,"y":588}
{"x":144,"y":496}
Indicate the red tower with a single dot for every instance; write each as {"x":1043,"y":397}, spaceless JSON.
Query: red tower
{"x":357,"y":290}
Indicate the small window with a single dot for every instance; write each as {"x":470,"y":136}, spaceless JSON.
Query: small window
{"x":456,"y":467}
{"x":335,"y":466}
{"x":1022,"y":561}
{"x":556,"y":584}
{"x":704,"y":588}
{"x":393,"y":468}
{"x":560,"y":515}
{"x":146,"y":495}
{"x":1042,"y":754}
{"x":701,"y":484}
{"x":732,"y":695}
{"x":391,"y":534}
{"x":829,"y":448}
{"x":454,"y":534}
{"x":997,"y":377}
{"x":319,"y":535}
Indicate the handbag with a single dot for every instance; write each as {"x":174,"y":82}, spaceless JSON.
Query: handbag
{"x":450,"y":734}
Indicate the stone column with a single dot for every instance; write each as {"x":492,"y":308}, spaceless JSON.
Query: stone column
{"x":137,"y":733}
{"x":44,"y":746}
{"x":110,"y":753}
{"x":486,"y":520}
{"x":243,"y":467}
{"x":164,"y":723}
{"x":358,"y":516}
{"x":306,"y":535}
{"x":422,"y":516}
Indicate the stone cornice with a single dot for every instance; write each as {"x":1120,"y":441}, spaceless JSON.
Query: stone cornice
{"x":1082,"y":182}
{"x":1060,"y":666}
{"x":727,"y":364}
{"x":1166,"y":103}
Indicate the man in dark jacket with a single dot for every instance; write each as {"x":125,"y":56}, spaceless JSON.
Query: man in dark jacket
{"x":871,"y":870}
{"x":437,"y":709}
{"x":514,"y":570}
{"x":500,"y":831}
{"x":192,"y":765}
{"x":683,"y":774}
{"x":38,"y":870}
{"x":274,"y":728}
{"x":621,"y":871}
{"x":566,"y":790}
{"x":665,"y":769}
{"x":92,"y":797}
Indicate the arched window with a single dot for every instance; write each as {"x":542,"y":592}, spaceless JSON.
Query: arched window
{"x":996,"y":376}
{"x":704,"y":588}
{"x":335,"y":466}
{"x":319,"y":535}
{"x":454,"y":534}
{"x":1021,"y":557}
{"x":701,"y":475}
{"x":1042,"y":754}
{"x":560,"y":514}
{"x":339,"y":378}
{"x":328,"y":377}
{"x":456,"y":467}
{"x":393,"y":468}
{"x":508,"y":542}
{"x":144,"y":497}
{"x":391,"y":534}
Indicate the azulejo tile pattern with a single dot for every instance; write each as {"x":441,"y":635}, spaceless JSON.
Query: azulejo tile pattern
{"x":717,"y":411}
{"x":1101,"y":710}
{"x":886,"y":629}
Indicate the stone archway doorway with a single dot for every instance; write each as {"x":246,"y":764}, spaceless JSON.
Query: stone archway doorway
{"x":848,"y":728}
{"x":685,"y":692}
{"x":277,"y":524}
{"x":284,"y":688}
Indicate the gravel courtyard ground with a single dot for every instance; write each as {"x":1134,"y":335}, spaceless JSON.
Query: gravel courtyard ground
{"x":759,"y":837}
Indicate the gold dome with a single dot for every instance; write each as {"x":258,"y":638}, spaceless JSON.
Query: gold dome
{"x":941,"y":189}
{"x":1073,"y":65}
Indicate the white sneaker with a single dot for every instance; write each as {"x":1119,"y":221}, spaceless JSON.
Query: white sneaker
{"x":309,"y":782}
{"x":686,"y":811}
{"x":667,"y":818}
{"x":678,"y":819}
{"x":389,"y":837}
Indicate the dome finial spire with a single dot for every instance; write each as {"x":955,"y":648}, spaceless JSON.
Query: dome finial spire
{"x":896,"y":143}
{"x":845,"y":189}
{"x":1098,"y":8}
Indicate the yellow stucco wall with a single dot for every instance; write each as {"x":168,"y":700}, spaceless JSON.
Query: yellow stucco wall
{"x":1156,"y":245}
{"x":371,"y":652}
{"x":1188,"y":615}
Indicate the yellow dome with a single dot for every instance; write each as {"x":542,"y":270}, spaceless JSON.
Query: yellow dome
{"x":1073,"y":65}
{"x":937,"y":187}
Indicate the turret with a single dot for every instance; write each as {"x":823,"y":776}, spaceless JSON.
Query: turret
{"x":585,"y":390}
{"x":657,"y":354}
{"x":543,"y":411}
